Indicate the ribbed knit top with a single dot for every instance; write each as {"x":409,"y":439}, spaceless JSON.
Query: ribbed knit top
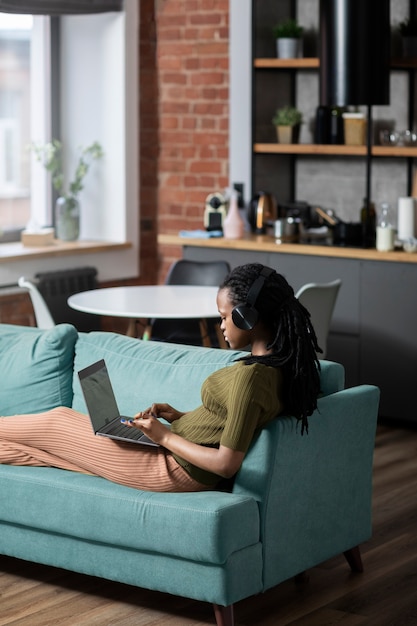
{"x":236,"y":401}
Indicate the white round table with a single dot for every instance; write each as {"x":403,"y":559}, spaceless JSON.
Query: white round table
{"x":149,"y":301}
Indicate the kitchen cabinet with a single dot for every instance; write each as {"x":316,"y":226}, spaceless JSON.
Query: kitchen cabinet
{"x":388,"y":349}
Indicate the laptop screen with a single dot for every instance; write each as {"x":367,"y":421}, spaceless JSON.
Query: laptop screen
{"x":98,"y":394}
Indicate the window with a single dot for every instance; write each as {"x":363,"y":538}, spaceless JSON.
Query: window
{"x":15,"y":80}
{"x":97,"y":100}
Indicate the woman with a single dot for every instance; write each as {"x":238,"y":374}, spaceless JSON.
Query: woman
{"x":258,"y":311}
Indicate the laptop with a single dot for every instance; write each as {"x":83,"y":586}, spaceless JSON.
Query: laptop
{"x":102,"y":406}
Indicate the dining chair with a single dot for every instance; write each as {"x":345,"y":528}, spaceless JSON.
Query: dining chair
{"x":190,"y":331}
{"x":320,"y":299}
{"x":43,"y":316}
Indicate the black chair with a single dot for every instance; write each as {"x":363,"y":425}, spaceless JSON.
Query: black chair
{"x":188,"y":331}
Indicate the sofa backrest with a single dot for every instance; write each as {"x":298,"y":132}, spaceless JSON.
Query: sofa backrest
{"x":143,"y":372}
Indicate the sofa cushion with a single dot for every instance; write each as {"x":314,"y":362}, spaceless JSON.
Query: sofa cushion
{"x":36,"y":368}
{"x":143,"y":372}
{"x":202,"y":526}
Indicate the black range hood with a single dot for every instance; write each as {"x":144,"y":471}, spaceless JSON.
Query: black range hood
{"x":355,"y":41}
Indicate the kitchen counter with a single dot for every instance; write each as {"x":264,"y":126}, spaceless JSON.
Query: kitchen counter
{"x":265,"y":243}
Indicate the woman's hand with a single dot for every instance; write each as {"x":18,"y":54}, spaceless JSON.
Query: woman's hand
{"x":166,"y":411}
{"x":222,"y":461}
{"x":152,"y":427}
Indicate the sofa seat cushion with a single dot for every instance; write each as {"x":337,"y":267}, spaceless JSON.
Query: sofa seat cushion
{"x":36,"y":368}
{"x":205,"y":526}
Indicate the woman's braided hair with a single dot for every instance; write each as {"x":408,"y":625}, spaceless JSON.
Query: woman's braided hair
{"x":294,"y":344}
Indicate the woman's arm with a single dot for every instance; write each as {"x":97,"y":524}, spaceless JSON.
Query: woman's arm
{"x":222,"y":461}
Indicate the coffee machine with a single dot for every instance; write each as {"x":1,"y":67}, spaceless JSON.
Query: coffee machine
{"x":215,"y":211}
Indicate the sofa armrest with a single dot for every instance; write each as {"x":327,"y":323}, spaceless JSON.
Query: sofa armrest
{"x":314,"y":491}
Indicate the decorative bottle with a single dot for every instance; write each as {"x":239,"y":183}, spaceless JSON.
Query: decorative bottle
{"x":368,"y":220}
{"x":384,"y":231}
{"x":67,"y":218}
{"x":337,"y":135}
{"x":233,"y":225}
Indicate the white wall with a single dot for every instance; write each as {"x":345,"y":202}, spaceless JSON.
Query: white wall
{"x":94,"y":96}
{"x":240,"y":133}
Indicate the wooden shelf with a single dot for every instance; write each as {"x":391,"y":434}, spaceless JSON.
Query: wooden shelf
{"x":313,"y":62}
{"x":335,"y":150}
{"x":394,"y":151}
{"x":304,"y":148}
{"x":303,"y":63}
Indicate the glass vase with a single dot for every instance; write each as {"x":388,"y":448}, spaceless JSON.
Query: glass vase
{"x":67,"y":218}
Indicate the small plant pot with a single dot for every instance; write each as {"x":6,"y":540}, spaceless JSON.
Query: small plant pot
{"x":288,"y":48}
{"x":288,"y":134}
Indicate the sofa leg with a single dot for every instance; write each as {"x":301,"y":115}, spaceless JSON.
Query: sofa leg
{"x":353,"y":557}
{"x":224,"y":615}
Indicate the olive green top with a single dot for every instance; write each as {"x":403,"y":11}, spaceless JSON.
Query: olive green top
{"x":236,"y":401}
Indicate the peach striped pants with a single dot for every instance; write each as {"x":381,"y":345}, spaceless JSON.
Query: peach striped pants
{"x":64,"y":438}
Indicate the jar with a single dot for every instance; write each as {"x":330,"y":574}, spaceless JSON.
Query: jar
{"x":67,"y":218}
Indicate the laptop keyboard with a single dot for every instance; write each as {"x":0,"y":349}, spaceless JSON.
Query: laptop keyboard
{"x":122,"y":431}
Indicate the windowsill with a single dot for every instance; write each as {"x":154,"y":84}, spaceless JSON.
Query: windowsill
{"x":16,"y":251}
{"x":113,"y":260}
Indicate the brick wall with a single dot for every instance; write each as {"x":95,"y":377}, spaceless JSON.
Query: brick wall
{"x":193,"y":78}
{"x":16,"y":308}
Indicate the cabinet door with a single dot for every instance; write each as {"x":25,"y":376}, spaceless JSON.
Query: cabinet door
{"x":389,"y":335}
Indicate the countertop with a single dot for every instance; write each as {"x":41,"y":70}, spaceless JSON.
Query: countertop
{"x":265,"y":243}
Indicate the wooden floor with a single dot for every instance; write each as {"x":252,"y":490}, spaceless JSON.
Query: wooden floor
{"x":384,"y":595}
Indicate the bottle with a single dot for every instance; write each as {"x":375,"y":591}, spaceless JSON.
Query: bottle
{"x":322,"y":127}
{"x":337,"y":135}
{"x":384,"y":231}
{"x":239,"y":187}
{"x":368,"y":220}
{"x":233,"y":225}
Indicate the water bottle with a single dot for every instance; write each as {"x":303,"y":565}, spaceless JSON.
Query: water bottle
{"x":384,"y":231}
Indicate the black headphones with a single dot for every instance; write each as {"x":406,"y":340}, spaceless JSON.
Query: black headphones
{"x":245,"y":315}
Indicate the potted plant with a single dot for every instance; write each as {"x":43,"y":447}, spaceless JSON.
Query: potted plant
{"x":408,"y":31}
{"x":288,"y":34}
{"x":67,"y":209}
{"x":287,"y":121}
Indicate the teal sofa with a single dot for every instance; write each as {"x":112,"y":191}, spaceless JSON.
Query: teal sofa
{"x":297,"y":500}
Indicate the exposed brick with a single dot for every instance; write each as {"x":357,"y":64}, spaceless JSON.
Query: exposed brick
{"x":184,"y":108}
{"x":214,"y":167}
